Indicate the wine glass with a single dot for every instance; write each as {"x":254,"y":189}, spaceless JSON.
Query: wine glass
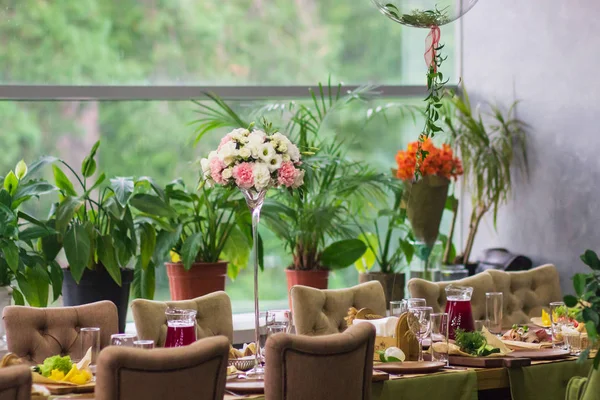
{"x":419,"y":322}
{"x":397,"y":308}
{"x":416,"y":302}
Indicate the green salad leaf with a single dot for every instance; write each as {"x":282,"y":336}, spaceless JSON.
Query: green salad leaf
{"x":474,"y":343}
{"x":63,"y":364}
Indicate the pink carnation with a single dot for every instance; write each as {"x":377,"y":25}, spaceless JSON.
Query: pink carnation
{"x":226,"y":138}
{"x":287,"y":174}
{"x":216,"y":169}
{"x":243,"y":175}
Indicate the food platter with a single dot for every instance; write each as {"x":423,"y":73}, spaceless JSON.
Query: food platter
{"x":410,"y":367}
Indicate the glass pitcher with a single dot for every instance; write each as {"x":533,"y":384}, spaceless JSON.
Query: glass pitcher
{"x":181,"y":327}
{"x":458,"y":307}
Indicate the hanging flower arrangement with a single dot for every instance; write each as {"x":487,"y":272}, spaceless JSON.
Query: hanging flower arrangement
{"x":439,"y":161}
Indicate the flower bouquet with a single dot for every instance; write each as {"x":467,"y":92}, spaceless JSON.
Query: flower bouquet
{"x":254,"y":161}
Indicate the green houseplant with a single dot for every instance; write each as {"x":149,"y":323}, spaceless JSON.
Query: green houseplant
{"x":387,"y":248}
{"x":101,"y":236}
{"x":488,"y":145}
{"x":203,"y":229}
{"x":22,"y":264}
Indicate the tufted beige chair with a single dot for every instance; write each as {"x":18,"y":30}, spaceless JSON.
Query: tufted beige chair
{"x":15,"y":383}
{"x":214,"y":317}
{"x":526,"y":292}
{"x":435,"y":294}
{"x":194,"y":372}
{"x":321,"y":312}
{"x":332,"y":367}
{"x":37,"y":333}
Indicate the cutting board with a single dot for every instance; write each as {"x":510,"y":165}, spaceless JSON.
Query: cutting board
{"x":68,"y":389}
{"x":490,"y":362}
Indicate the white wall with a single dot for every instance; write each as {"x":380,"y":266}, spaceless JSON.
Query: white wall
{"x":545,"y":53}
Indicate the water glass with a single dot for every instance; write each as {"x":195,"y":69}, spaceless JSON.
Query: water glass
{"x":280,"y":317}
{"x":439,"y":335}
{"x":479,"y":324}
{"x":493,"y":311}
{"x":558,"y":318}
{"x":573,"y":342}
{"x":143,"y":344}
{"x":419,"y":323}
{"x":90,"y":339}
{"x":416,"y":302}
{"x":122,"y":339}
{"x":276,"y":328}
{"x":397,"y":308}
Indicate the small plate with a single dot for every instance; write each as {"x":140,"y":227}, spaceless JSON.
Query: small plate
{"x":542,"y":354}
{"x":410,"y":367}
{"x":538,"y":321}
{"x":246,"y":386}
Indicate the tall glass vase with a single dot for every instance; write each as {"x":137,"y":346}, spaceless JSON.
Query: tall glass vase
{"x":255,"y":200}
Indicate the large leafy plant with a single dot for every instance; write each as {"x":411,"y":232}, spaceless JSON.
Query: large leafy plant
{"x":587,"y":300}
{"x":488,"y":145}
{"x":208,"y":225}
{"x":22,"y":264}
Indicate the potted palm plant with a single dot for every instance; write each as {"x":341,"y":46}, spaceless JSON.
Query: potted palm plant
{"x":101,"y":236}
{"x":488,"y":145}
{"x":389,"y":249}
{"x":207,"y":238}
{"x":24,"y":270}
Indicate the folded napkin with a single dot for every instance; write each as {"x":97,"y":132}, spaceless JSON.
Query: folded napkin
{"x":385,"y":327}
{"x":518,"y":345}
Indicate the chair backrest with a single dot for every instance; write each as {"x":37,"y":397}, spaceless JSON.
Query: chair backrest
{"x":321,"y":312}
{"x":37,"y":333}
{"x":332,"y":367}
{"x":526,"y":292}
{"x":214,"y":317}
{"x":194,"y":372}
{"x":15,"y":383}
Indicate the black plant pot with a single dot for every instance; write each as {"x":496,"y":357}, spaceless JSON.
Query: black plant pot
{"x":97,"y":285}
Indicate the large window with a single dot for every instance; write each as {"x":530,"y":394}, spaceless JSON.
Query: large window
{"x":73,"y":72}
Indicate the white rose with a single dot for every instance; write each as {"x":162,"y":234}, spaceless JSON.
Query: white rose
{"x":240,"y":132}
{"x":282,"y":148}
{"x":256,"y":139}
{"x":227,"y":173}
{"x":262,"y":175}
{"x":228,"y":153}
{"x":245,"y":152}
{"x":299,"y":180}
{"x":275,"y":162}
{"x":212,"y":155}
{"x":205,"y":165}
{"x":293,"y":152}
{"x":266,"y":152}
{"x":278,"y":136}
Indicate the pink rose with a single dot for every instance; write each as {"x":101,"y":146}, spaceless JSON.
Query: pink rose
{"x":287,"y":174}
{"x":243,"y":175}
{"x":216,"y":168}
{"x":226,"y":138}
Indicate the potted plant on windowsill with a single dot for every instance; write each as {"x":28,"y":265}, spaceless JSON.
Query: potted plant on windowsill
{"x":207,"y":238}
{"x":22,"y":264}
{"x":389,"y":249}
{"x":99,"y":233}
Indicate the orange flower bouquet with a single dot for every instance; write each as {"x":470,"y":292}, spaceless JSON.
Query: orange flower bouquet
{"x":439,"y":161}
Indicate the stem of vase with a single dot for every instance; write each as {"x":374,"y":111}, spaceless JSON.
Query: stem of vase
{"x":255,"y":221}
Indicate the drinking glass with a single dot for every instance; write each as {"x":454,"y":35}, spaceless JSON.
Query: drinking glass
{"x":416,"y":302}
{"x":558,"y":318}
{"x":397,"y":308}
{"x":276,"y":328}
{"x":122,"y":339}
{"x":90,"y":339}
{"x":144,"y":344}
{"x":493,"y":312}
{"x":282,"y":318}
{"x":479,"y":324}
{"x":181,"y":327}
{"x":572,"y":340}
{"x":419,"y":322}
{"x":439,"y":334}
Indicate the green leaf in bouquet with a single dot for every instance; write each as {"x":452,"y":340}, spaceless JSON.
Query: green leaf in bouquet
{"x":123,"y":189}
{"x":152,"y":205}
{"x":147,"y":244}
{"x":11,"y":254}
{"x":108,"y":257}
{"x":343,"y":253}
{"x":367,"y":260}
{"x":11,"y":183}
{"x":190,"y":249}
{"x":62,"y":181}
{"x":77,"y":250}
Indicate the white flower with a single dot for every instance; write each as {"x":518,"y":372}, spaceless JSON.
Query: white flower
{"x":262,"y":175}
{"x":279,"y":137}
{"x":240,"y":135}
{"x":256,"y":138}
{"x":282,"y":147}
{"x":254,"y":149}
{"x":245,"y":152}
{"x":286,"y":157}
{"x":205,"y":165}
{"x":293,"y":152}
{"x":299,"y":180}
{"x":275,"y":162}
{"x":227,"y":173}
{"x":266,"y":152}
{"x":228,"y":153}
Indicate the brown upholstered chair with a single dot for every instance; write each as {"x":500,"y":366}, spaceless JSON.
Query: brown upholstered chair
{"x":332,"y":367}
{"x":321,"y":312}
{"x":525,"y":292}
{"x":194,"y":372}
{"x":15,"y":383}
{"x":214,"y":317}
{"x":37,"y":333}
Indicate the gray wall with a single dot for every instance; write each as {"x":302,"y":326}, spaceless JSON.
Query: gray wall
{"x":545,"y":53}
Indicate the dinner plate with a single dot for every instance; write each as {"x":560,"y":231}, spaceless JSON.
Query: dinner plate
{"x":538,"y":321}
{"x":542,"y":354}
{"x":246,"y":386}
{"x":410,"y":367}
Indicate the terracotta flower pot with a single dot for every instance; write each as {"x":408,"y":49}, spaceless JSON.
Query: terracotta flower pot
{"x":201,"y":279}
{"x":393,"y":284}
{"x":315,"y":279}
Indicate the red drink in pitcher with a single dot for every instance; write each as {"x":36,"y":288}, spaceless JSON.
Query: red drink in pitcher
{"x":458,"y":307}
{"x":181,"y":327}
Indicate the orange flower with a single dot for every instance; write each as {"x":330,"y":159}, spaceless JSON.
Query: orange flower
{"x":439,"y":161}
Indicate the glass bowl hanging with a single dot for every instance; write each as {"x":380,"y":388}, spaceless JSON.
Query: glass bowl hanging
{"x":424,"y":13}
